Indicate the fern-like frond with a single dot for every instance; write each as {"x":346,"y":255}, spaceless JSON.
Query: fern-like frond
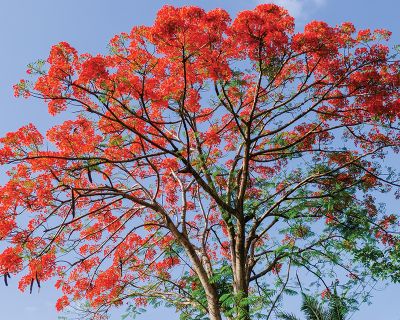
{"x":287,"y":316}
{"x":313,"y":309}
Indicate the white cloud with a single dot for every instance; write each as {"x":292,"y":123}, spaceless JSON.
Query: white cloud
{"x":300,"y":9}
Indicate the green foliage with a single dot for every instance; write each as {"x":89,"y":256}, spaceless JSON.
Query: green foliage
{"x":315,"y":310}
{"x":132,"y":312}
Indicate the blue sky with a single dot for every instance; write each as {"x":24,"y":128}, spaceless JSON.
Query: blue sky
{"x":28,"y":28}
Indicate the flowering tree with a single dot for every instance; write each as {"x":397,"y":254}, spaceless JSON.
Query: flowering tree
{"x":212,"y":165}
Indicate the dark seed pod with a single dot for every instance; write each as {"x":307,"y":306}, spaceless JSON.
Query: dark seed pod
{"x":31,"y":287}
{"x":120,"y":266}
{"x":73,"y":203}
{"x":37,"y":280}
{"x":90,"y":176}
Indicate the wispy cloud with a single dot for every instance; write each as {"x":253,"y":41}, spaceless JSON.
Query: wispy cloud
{"x":300,"y":9}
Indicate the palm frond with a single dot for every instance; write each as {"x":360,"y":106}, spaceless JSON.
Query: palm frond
{"x":287,"y":316}
{"x":337,"y":309}
{"x":313,"y":309}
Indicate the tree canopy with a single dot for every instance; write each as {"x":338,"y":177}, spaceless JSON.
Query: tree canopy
{"x":211,"y":165}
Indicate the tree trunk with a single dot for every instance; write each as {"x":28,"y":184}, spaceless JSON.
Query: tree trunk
{"x":213,"y":308}
{"x":240,"y":274}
